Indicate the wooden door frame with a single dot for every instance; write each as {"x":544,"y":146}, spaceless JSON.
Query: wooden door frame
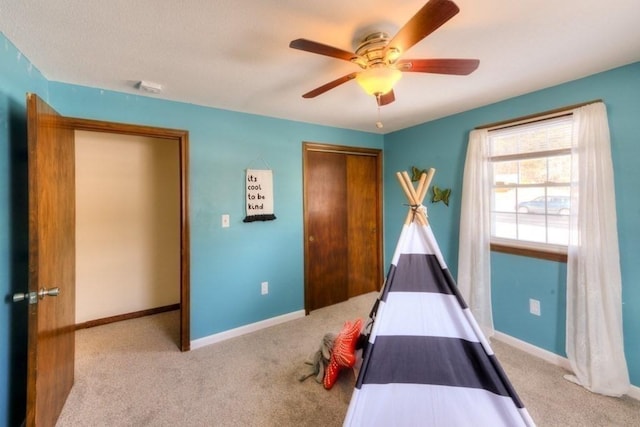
{"x":339,"y":149}
{"x":181,"y":137}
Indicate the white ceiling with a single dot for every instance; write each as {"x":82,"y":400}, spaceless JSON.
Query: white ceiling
{"x":234,"y":54}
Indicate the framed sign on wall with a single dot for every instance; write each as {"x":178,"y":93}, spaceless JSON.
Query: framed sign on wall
{"x":259,"y":195}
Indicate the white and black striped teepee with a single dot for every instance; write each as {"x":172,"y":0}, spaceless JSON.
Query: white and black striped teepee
{"x":427,"y":363}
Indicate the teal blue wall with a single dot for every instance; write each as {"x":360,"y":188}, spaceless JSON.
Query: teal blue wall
{"x":443,"y":143}
{"x":228,"y":265}
{"x":17,"y":77}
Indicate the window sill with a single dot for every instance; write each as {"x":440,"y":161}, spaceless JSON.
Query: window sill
{"x":549,"y":255}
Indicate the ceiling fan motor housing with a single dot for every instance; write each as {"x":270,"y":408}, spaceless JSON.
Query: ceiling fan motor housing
{"x":371,"y":50}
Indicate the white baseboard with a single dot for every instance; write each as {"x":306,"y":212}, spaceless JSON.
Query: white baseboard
{"x":548,"y":356}
{"x":634,"y":392}
{"x":236,"y":332}
{"x":543,"y":354}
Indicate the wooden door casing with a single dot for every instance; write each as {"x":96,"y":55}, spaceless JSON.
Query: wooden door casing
{"x":342,"y":203}
{"x":51,"y":329}
{"x":181,"y":138}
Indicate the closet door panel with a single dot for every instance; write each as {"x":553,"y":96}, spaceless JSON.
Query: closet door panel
{"x":362,"y":224}
{"x":326,"y":236}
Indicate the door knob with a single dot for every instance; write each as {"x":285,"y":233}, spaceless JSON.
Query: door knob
{"x":33,"y":297}
{"x":52,"y":292}
{"x":311,"y":238}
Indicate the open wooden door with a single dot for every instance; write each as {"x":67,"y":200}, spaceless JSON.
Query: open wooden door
{"x":52,"y":229}
{"x":51,"y":330}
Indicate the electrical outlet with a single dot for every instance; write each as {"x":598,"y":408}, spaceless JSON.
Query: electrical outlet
{"x":265,"y":288}
{"x":534,"y":307}
{"x":225,"y":220}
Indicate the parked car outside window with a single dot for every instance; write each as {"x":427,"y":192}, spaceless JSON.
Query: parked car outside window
{"x":546,"y":205}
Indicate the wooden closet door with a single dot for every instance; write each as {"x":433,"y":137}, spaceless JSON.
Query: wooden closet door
{"x":362,"y":224}
{"x":326,"y":208}
{"x":343,"y":245}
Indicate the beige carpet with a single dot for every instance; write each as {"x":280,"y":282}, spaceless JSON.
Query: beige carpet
{"x":132,"y":374}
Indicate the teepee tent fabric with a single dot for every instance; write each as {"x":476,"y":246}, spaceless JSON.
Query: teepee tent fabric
{"x":427,"y":361}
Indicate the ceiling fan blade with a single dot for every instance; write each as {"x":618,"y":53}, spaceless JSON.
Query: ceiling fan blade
{"x":427,"y":20}
{"x":326,"y":87}
{"x":460,"y":67}
{"x":385,"y":99}
{"x":321,"y":49}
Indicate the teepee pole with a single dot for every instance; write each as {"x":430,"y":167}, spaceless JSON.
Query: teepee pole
{"x":411,"y":195}
{"x":405,"y":186}
{"x":423,"y":191}
{"x":407,"y":193}
{"x":414,"y":193}
{"x":415,"y":196}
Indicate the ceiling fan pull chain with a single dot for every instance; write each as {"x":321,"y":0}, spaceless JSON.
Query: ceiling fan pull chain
{"x":379,"y":124}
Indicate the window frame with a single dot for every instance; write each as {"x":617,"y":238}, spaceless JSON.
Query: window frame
{"x":541,"y":250}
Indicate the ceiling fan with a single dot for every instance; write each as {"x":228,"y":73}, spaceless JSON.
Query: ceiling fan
{"x":378,"y":55}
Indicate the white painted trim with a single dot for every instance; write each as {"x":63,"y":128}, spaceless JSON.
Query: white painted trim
{"x":246,"y":329}
{"x":543,"y":354}
{"x":547,"y":356}
{"x":634,"y":392}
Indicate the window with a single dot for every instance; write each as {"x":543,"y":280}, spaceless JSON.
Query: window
{"x":530,"y":167}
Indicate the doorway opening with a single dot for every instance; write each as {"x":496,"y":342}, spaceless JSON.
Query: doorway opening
{"x":165,"y":261}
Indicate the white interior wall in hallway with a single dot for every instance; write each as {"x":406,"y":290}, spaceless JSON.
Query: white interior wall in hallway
{"x":127,"y":224}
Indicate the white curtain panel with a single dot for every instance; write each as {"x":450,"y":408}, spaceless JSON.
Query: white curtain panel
{"x":474,"y":262}
{"x":594,"y":341}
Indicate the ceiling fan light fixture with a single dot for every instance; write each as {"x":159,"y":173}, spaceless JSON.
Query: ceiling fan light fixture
{"x":378,"y":80}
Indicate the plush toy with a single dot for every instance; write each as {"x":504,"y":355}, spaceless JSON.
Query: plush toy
{"x":318,"y":361}
{"x":343,"y":354}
